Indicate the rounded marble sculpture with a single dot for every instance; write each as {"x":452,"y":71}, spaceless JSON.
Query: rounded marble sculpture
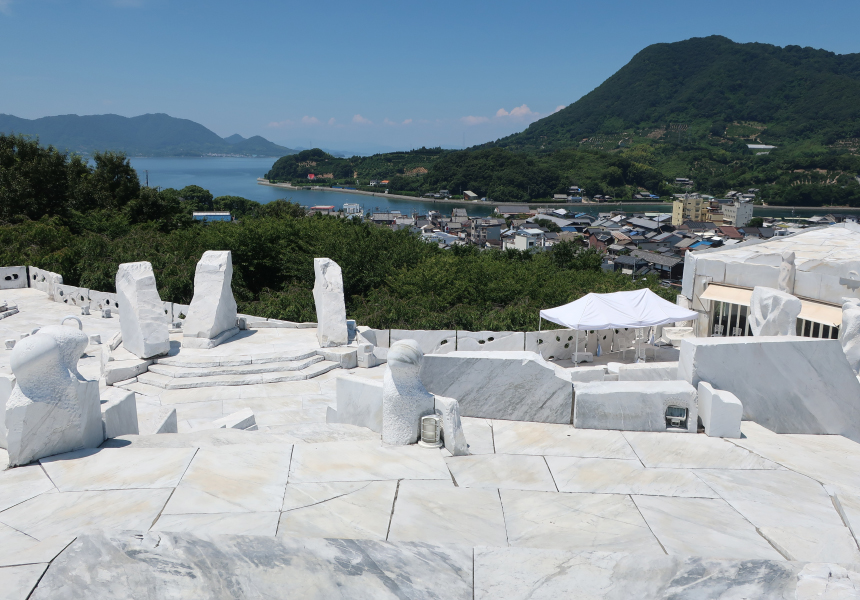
{"x":404,"y":398}
{"x":52,"y":408}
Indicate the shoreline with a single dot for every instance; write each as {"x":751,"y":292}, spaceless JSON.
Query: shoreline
{"x":610,"y":206}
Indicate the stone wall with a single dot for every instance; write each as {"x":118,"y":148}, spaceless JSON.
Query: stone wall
{"x":13,"y":278}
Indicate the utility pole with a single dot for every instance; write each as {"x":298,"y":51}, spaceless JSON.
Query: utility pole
{"x":147,"y":177}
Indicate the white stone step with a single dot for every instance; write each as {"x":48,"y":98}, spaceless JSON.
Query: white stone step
{"x":181,"y":383}
{"x":232,"y":361}
{"x":252,"y":369}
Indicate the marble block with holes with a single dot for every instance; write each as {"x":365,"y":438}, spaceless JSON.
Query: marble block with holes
{"x":517,"y":386}
{"x":632,"y":406}
{"x":557,"y":344}
{"x":490,"y":340}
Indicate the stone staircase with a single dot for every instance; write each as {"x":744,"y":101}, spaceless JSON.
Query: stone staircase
{"x":176,"y":373}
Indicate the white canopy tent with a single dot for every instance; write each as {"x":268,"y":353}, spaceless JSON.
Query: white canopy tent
{"x":636,"y":309}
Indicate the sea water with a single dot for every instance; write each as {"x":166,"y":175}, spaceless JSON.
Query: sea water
{"x":228,"y":176}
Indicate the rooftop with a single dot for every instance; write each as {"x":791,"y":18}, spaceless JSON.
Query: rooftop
{"x":534,"y":510}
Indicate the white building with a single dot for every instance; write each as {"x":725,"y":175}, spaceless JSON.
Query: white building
{"x":352,"y":209}
{"x":718,"y":283}
{"x":526,"y":239}
{"x":737,"y":214}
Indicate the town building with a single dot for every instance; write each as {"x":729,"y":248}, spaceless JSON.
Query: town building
{"x":737,"y":214}
{"x":688,"y":207}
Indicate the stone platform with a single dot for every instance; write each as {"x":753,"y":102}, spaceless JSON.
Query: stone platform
{"x":305,"y":509}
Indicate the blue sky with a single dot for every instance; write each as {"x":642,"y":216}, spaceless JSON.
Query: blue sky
{"x":361,"y":76}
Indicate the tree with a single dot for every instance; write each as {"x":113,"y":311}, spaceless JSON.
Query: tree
{"x":755,"y":222}
{"x":195,"y":198}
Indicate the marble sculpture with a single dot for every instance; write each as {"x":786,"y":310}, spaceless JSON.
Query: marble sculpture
{"x":331,"y":309}
{"x":52,"y":409}
{"x":452,"y":429}
{"x":850,"y":332}
{"x":404,"y":398}
{"x":773,"y":312}
{"x":141,"y":312}
{"x":720,"y":411}
{"x":212,"y":314}
{"x":787,"y":273}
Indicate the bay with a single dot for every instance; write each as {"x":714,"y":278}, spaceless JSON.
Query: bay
{"x":233,"y":176}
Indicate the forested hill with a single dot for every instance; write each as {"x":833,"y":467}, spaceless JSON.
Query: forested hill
{"x":145,"y":135}
{"x":785,"y":94}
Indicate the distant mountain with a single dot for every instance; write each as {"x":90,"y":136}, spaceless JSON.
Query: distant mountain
{"x":788,"y":94}
{"x":146,"y":135}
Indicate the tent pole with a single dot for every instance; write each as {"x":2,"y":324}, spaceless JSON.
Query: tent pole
{"x":576,"y":348}
{"x":540,"y":350}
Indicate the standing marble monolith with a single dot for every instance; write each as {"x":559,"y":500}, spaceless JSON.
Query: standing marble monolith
{"x":773,"y":312}
{"x":849,"y":333}
{"x":212,"y":314}
{"x":141,"y":312}
{"x":52,"y":408}
{"x":404,"y":398}
{"x":787,"y":273}
{"x":452,"y":428}
{"x":331,"y":309}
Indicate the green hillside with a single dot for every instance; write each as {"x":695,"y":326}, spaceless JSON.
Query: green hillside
{"x":714,"y":86}
{"x":145,"y":135}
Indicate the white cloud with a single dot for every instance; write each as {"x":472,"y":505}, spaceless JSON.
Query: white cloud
{"x":306,"y":120}
{"x":388,"y":121}
{"x":5,"y":5}
{"x":518,"y":113}
{"x":558,"y":108}
{"x":361,"y":120}
{"x":331,"y":121}
{"x":472,"y":120}
{"x":406,"y":121}
{"x":277,"y":124}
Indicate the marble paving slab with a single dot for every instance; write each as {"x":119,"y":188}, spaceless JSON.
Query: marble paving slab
{"x":70,"y":513}
{"x":703,"y":527}
{"x":32,"y":553}
{"x":479,"y":435}
{"x":117,"y":468}
{"x":263,"y":404}
{"x":318,"y":433}
{"x":356,"y":510}
{"x":813,"y":544}
{"x":510,"y":471}
{"x":318,"y":401}
{"x":774,"y":498}
{"x":693,"y":451}
{"x":16,"y":583}
{"x":210,"y":438}
{"x":13,"y":539}
{"x":290,"y":417}
{"x":364,"y":461}
{"x":576,"y":522}
{"x":436,"y":512}
{"x":181,"y":565}
{"x":519,"y":437}
{"x":256,"y":523}
{"x":532,"y":574}
{"x":238,"y":478}
{"x":611,"y":476}
{"x":22,"y":483}
{"x":829,"y":459}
